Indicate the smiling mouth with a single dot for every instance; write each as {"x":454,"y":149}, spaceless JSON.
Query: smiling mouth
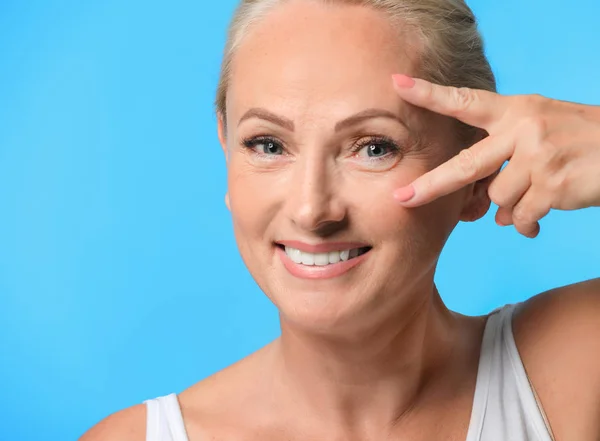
{"x":322,"y":259}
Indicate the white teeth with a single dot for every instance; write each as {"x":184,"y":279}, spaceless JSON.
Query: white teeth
{"x":295,"y":254}
{"x":320,"y":259}
{"x":334,"y":257}
{"x":307,"y":258}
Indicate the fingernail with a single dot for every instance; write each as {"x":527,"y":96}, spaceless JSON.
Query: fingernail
{"x":404,"y":194}
{"x":403,"y":81}
{"x":501,"y":224}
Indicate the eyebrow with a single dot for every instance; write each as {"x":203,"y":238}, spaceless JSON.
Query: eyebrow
{"x":260,"y":113}
{"x":288,"y":124}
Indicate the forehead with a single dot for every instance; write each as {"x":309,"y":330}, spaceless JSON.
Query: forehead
{"x":308,"y":57}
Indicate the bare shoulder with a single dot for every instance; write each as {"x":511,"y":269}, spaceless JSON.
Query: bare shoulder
{"x":211,"y":409}
{"x":126,"y":425}
{"x":558,"y":336}
{"x":565,"y":319}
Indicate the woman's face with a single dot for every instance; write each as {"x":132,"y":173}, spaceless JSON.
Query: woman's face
{"x":316,"y":141}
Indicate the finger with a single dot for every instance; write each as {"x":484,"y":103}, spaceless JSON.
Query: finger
{"x":504,"y":216}
{"x":479,"y":108}
{"x":511,"y":183}
{"x":529,"y":210}
{"x":470,"y":165}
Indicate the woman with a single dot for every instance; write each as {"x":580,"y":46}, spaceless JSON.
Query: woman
{"x":344,"y":186}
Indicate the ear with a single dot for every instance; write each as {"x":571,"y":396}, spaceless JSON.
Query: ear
{"x":477,"y":201}
{"x":222,"y":140}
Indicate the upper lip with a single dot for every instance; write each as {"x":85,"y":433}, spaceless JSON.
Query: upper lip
{"x":323,"y":247}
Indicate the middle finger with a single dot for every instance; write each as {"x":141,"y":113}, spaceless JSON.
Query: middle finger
{"x":511,"y":183}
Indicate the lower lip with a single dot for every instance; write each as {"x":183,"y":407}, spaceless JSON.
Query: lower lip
{"x":319,"y":272}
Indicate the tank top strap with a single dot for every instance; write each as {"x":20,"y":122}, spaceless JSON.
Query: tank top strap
{"x":484,"y":376}
{"x":527,"y":393}
{"x":504,"y":404}
{"x":164,"y":421}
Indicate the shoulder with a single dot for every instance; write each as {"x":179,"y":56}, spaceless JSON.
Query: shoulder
{"x":558,"y":337}
{"x":565,"y":318}
{"x":126,"y":425}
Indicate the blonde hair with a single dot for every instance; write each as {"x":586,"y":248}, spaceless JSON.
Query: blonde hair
{"x":452,"y":48}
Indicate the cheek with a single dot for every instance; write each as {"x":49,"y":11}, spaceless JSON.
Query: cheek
{"x":433,"y":223}
{"x":255,"y":197}
{"x":245,"y":201}
{"x":248,"y":207}
{"x":417,"y":231}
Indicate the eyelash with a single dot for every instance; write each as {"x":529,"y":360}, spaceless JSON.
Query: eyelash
{"x":389,"y":143}
{"x":251,"y":143}
{"x":361,"y":143}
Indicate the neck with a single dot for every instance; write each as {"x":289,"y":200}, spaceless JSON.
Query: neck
{"x":373,"y":378}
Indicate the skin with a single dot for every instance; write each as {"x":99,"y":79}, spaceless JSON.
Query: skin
{"x":552,"y":147}
{"x":374,"y":353}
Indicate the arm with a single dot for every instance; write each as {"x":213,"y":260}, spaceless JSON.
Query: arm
{"x":558,"y":336}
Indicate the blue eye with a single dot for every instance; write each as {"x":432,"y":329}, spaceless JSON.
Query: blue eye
{"x":264,"y":146}
{"x":376,"y":149}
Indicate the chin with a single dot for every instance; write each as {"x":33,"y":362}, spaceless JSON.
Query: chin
{"x":321,"y":310}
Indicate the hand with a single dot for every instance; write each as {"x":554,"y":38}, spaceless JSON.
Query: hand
{"x":553,"y":149}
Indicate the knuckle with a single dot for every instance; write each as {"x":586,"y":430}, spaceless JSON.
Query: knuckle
{"x":536,"y":127}
{"x":521,"y":215}
{"x":545,"y":160}
{"x":555,"y":183}
{"x":538,"y":155}
{"x":463,"y":97}
{"x":467,"y":164}
{"x":533,"y":102}
{"x":429,"y":93}
{"x":533,"y":145}
{"x":535,"y":98}
{"x":551,"y":156}
{"x":497,"y":195}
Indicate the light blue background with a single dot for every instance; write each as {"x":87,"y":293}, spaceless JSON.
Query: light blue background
{"x":119,"y":276}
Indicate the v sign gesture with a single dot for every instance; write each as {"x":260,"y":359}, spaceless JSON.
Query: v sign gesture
{"x":553,"y":149}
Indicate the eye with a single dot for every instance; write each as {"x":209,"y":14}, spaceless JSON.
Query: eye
{"x":264,"y":146}
{"x":375,"y":148}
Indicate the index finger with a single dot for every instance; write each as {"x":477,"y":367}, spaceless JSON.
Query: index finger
{"x":475,"y":107}
{"x":470,"y":165}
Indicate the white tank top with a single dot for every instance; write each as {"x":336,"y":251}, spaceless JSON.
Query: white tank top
{"x":504,"y":406}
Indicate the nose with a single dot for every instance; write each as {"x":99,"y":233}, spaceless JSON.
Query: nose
{"x":315,"y":203}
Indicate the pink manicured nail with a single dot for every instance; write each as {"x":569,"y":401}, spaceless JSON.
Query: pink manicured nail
{"x":403,"y":81}
{"x":404,"y":194}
